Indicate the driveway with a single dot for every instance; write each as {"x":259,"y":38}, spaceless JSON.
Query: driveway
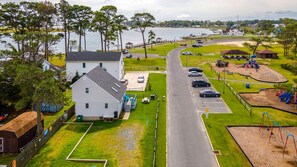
{"x":187,"y":142}
{"x":133,"y":85}
{"x":214,"y":105}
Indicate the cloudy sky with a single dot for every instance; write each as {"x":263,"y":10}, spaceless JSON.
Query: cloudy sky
{"x":198,"y":9}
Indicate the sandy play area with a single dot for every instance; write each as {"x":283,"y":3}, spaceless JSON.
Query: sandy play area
{"x":261,"y":153}
{"x":267,"y":98}
{"x":264,"y":74}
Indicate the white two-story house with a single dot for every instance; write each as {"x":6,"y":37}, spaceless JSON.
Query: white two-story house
{"x":83,"y":62}
{"x":98,"y":95}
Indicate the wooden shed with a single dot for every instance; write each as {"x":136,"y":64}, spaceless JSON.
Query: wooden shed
{"x":18,"y":132}
{"x":266,"y":54}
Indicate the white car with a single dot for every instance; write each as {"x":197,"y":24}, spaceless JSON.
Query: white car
{"x":187,"y":53}
{"x":140,"y":79}
{"x":194,"y":74}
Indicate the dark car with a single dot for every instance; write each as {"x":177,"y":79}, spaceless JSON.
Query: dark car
{"x":196,"y":45}
{"x":195,"y":69}
{"x":200,"y":83}
{"x":209,"y":93}
{"x":125,"y":51}
{"x":129,"y":56}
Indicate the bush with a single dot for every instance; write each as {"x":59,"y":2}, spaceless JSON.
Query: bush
{"x":290,"y":67}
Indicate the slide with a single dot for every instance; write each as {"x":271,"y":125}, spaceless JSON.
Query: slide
{"x":288,"y":100}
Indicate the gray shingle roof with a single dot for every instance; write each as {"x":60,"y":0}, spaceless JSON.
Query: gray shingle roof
{"x":107,"y":82}
{"x":94,"y":56}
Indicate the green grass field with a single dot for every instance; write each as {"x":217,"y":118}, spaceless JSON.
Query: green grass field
{"x":122,"y":142}
{"x":162,"y":49}
{"x":145,"y":64}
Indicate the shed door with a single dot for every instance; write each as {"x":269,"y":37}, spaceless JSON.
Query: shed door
{"x":1,"y":145}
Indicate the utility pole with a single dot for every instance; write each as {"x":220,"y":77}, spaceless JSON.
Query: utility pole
{"x":224,"y":77}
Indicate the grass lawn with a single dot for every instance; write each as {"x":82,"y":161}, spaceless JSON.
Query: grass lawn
{"x":50,"y":118}
{"x":122,"y":143}
{"x":58,"y":61}
{"x":145,"y":64}
{"x":215,"y":124}
{"x":162,"y":49}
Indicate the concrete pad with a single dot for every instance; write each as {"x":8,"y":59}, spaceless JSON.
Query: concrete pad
{"x":133,"y":85}
{"x":126,"y":115}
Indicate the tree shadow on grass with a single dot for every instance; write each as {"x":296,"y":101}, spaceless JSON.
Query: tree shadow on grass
{"x":99,"y":124}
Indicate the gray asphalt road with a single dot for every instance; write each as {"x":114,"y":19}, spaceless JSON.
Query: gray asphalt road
{"x":187,"y":143}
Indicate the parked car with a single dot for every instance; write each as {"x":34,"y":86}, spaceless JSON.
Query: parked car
{"x":195,"y":69}
{"x":129,"y":55}
{"x":140,"y":79}
{"x":209,"y":93}
{"x":125,"y":51}
{"x":187,"y":53}
{"x":196,"y":45}
{"x":200,"y":83}
{"x":194,"y":74}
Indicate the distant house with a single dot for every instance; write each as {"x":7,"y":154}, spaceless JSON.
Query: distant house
{"x":18,"y":132}
{"x":46,"y":65}
{"x":83,"y":62}
{"x":159,"y":40}
{"x":233,"y":32}
{"x":98,"y":95}
{"x":266,"y":54}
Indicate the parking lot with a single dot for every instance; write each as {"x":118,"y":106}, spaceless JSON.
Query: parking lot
{"x":133,"y":85}
{"x":214,"y":104}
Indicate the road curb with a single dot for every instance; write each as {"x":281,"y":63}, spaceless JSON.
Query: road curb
{"x":209,"y":140}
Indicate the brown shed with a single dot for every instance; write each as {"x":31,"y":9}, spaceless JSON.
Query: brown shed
{"x":18,"y":132}
{"x":266,"y":54}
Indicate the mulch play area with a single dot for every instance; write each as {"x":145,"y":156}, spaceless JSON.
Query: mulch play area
{"x":268,"y":98}
{"x":264,"y":74}
{"x":255,"y":144}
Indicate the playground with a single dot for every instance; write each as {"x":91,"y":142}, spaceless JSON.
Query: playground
{"x":255,"y":144}
{"x":263,"y":73}
{"x":269,"y":98}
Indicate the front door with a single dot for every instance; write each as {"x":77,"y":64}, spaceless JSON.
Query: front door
{"x":1,"y":145}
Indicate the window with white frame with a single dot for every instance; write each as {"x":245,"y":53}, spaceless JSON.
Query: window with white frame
{"x":87,"y":105}
{"x":106,"y":105}
{"x":87,"y":90}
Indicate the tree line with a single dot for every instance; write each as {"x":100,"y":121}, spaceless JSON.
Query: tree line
{"x":29,"y":25}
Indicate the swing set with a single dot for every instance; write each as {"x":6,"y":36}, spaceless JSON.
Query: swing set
{"x":271,"y":124}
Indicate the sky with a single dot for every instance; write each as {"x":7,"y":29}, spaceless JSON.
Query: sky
{"x":197,"y":9}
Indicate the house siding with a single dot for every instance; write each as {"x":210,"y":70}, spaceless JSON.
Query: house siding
{"x":115,"y":68}
{"x":96,"y":98}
